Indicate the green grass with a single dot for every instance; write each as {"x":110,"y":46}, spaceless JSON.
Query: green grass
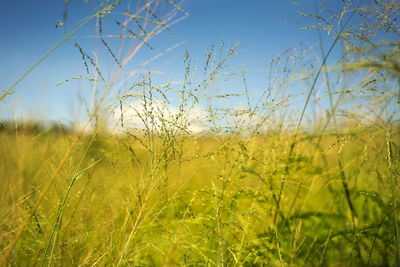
{"x":251,"y":180}
{"x":210,"y":203}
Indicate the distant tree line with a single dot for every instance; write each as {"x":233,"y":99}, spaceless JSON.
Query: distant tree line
{"x":34,"y":128}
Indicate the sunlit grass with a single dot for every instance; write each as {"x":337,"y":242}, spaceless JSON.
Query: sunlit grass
{"x":211,"y":202}
{"x":179,"y":174}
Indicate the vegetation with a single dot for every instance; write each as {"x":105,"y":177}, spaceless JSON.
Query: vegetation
{"x":166,"y":174}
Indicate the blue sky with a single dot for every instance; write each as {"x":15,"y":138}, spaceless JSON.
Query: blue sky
{"x":264,"y":28}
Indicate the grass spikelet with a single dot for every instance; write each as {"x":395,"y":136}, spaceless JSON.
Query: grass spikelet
{"x":104,"y":42}
{"x":83,"y":57}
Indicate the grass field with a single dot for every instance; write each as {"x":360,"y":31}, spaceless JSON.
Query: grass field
{"x":208,"y":200}
{"x":304,"y":173}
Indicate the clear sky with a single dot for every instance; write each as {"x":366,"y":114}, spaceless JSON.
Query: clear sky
{"x":264,"y":28}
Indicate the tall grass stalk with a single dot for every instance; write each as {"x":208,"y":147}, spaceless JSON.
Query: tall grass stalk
{"x":57,"y":224}
{"x":293,"y":144}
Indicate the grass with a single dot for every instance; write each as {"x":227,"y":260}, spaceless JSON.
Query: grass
{"x":212,"y":203}
{"x":203,"y":182}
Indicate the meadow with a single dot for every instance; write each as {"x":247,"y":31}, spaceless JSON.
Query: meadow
{"x":225,"y":191}
{"x":203,"y":201}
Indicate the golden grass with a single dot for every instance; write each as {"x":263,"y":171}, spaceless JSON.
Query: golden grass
{"x":204,"y":201}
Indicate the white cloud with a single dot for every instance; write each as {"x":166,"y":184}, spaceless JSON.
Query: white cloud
{"x":158,"y":117}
